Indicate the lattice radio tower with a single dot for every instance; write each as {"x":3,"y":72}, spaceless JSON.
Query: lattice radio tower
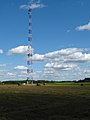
{"x":29,"y":53}
{"x":30,"y":6}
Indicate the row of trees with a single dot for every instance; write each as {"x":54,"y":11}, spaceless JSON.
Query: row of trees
{"x":42,"y":81}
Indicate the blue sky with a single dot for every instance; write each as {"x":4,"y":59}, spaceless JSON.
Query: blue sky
{"x":61,"y":40}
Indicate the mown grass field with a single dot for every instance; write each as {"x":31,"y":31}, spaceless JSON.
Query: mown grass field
{"x":49,"y":102}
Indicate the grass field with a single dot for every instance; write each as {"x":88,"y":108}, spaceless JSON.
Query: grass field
{"x":49,"y":102}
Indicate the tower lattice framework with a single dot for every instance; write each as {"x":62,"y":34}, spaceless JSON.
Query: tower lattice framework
{"x":29,"y":51}
{"x":34,"y":4}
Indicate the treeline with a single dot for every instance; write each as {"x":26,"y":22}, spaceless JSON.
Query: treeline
{"x":84,"y":80}
{"x":42,"y":81}
{"x":14,"y":82}
{"x":25,"y":82}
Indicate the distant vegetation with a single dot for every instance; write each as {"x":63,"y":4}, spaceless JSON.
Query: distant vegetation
{"x":86,"y":80}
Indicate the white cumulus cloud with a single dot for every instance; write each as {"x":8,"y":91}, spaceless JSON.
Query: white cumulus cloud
{"x":38,"y":57}
{"x":78,"y":57}
{"x":61,"y":66}
{"x":63,"y":52}
{"x":1,"y":51}
{"x":64,"y":55}
{"x":20,"y":68}
{"x":83,"y":27}
{"x":33,"y":5}
{"x":2,"y":65}
{"x":19,"y":50}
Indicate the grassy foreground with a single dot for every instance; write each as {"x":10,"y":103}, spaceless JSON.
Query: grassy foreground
{"x":63,"y":102}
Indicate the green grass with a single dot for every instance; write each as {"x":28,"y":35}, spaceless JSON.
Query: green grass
{"x":69,"y":83}
{"x":50,"y":102}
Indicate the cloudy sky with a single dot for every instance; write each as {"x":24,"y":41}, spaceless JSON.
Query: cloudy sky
{"x":61,"y":40}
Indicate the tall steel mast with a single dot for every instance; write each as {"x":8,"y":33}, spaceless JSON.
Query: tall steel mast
{"x":30,"y":51}
{"x":32,"y":5}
